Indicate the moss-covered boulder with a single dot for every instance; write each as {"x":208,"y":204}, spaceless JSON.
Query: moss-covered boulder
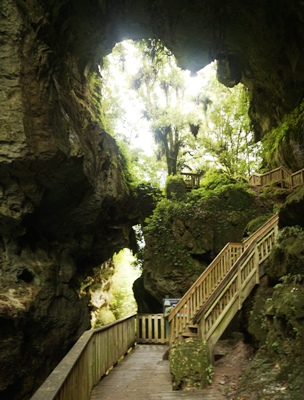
{"x":190,"y":364}
{"x":176,"y":187}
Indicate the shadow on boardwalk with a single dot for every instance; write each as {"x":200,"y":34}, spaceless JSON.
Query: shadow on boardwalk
{"x":144,"y":375}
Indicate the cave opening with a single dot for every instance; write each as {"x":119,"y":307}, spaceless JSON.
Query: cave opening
{"x":171,"y":121}
{"x":145,"y":97}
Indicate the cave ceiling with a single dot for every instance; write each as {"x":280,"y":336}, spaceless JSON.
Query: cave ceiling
{"x":258,"y":43}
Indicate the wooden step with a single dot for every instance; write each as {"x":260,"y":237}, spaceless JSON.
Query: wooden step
{"x":189,"y":334}
{"x":192,"y":326}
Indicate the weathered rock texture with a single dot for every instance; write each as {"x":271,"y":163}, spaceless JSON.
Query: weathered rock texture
{"x":65,"y":203}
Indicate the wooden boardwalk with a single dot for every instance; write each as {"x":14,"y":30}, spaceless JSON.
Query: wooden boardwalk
{"x":144,"y":375}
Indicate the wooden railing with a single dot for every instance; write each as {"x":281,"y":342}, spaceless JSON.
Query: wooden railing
{"x":297,"y":178}
{"x":200,"y":291}
{"x":151,"y":328}
{"x":96,"y":352}
{"x":210,"y":283}
{"x":279,"y":176}
{"x":216,"y":314}
{"x":192,"y":180}
{"x":89,"y":359}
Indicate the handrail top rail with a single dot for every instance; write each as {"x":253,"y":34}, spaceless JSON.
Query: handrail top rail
{"x":286,"y":176}
{"x":297,"y":172}
{"x":111,"y":324}
{"x":144,"y":314}
{"x":270,"y":172}
{"x":192,"y":173}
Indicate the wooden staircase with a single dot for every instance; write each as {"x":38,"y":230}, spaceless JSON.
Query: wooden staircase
{"x":212,"y":301}
{"x":191,"y":331}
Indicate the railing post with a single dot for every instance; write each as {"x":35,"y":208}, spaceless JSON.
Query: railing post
{"x":256,"y":263}
{"x":239,"y":286}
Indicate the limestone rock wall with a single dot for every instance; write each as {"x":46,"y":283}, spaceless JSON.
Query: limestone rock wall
{"x":65,"y":202}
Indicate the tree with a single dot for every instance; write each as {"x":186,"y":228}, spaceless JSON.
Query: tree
{"x":226,"y":135}
{"x":146,"y":94}
{"x":161,"y":86}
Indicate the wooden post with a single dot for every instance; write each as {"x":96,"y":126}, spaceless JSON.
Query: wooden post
{"x":239,"y":286}
{"x":257,"y":264}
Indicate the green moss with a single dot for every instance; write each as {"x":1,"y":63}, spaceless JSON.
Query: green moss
{"x":256,"y":223}
{"x":190,"y":364}
{"x":215,"y":178}
{"x":288,"y":254}
{"x":176,"y":187}
{"x":278,"y":142}
{"x":202,"y":222}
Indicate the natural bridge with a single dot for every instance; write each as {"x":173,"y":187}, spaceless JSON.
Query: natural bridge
{"x":205,"y":311}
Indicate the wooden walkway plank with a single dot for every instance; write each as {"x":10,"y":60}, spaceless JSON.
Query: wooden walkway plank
{"x":144,"y":375}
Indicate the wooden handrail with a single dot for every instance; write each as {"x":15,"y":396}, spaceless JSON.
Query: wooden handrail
{"x":199,"y":292}
{"x":278,"y":175}
{"x":212,"y":279}
{"x":89,"y":359}
{"x":211,"y":300}
{"x":297,"y":178}
{"x":227,"y":299}
{"x":231,"y":249}
{"x":191,"y":179}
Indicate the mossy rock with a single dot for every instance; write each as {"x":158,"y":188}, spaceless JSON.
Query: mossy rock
{"x":190,"y":364}
{"x":287,"y":256}
{"x":291,"y":213}
{"x":256,"y":223}
{"x":176,"y":188}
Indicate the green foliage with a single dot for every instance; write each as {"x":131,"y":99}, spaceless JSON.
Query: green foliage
{"x":125,"y":158}
{"x":287,"y":255}
{"x":191,"y":131}
{"x":256,"y":223}
{"x":290,"y":126}
{"x":215,"y":178}
{"x":161,"y":86}
{"x":123,"y":302}
{"x":226,"y":135}
{"x":176,"y":187}
{"x":103,"y":317}
{"x":166,"y":249}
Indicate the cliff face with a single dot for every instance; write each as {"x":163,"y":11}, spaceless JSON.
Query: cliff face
{"x":66,"y":205}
